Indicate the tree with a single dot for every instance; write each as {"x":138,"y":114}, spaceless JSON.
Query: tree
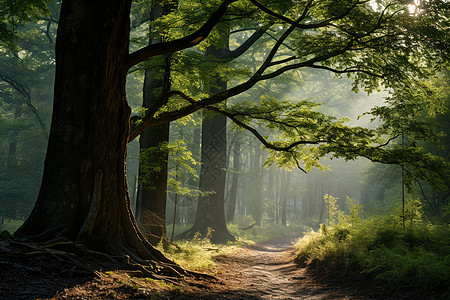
{"x":83,"y":194}
{"x":152,"y":191}
{"x":232,"y":198}
{"x":210,"y":214}
{"x":26,"y":80}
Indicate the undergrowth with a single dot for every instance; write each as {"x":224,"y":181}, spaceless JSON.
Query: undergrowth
{"x":379,"y":249}
{"x":198,"y":253}
{"x":8,"y":226}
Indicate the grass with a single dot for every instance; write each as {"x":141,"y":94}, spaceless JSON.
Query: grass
{"x":380,"y":251}
{"x":199,"y":253}
{"x":8,"y":227}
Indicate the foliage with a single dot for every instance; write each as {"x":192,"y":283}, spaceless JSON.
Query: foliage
{"x":8,"y":226}
{"x":26,"y":79}
{"x":182,"y":166}
{"x":14,"y":13}
{"x":198,"y":253}
{"x":378,"y":249}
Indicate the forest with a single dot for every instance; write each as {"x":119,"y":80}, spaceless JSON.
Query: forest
{"x":224,"y":149}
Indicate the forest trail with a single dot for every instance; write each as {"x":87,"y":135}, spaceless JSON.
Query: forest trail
{"x":268,"y":271}
{"x":261,"y":271}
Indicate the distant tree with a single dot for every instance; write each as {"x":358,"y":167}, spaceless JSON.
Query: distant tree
{"x":152,"y":192}
{"x":26,"y":81}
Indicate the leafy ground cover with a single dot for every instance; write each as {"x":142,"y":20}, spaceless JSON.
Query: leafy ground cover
{"x":380,"y":251}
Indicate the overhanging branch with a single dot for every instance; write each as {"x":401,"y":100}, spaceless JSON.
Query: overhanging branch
{"x":297,"y":23}
{"x":179,"y":44}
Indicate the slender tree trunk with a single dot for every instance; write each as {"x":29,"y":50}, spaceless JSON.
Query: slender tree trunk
{"x":152,"y":191}
{"x":175,"y":203}
{"x":256,"y":186}
{"x":196,"y":152}
{"x":271,"y":190}
{"x":231,"y":207}
{"x":11,"y":161}
{"x":308,"y":198}
{"x":277,"y":196}
{"x":285,"y":198}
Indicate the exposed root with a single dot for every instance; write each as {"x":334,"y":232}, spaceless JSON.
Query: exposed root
{"x":64,"y":257}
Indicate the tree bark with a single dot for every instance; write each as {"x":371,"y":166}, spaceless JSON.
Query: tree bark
{"x":285,"y":199}
{"x":210,"y":214}
{"x":152,"y":192}
{"x":83,"y":194}
{"x":256,"y":185}
{"x":231,"y":205}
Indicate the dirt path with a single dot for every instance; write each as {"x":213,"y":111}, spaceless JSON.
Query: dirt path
{"x":262,"y":271}
{"x":268,"y":271}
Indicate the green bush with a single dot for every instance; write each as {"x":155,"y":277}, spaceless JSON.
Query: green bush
{"x":379,"y":249}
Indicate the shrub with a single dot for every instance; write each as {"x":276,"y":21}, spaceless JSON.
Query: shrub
{"x":383,"y":253}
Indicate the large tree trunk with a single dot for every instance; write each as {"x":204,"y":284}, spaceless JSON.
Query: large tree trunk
{"x":83,"y":194}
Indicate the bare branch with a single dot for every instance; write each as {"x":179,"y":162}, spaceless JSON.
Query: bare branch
{"x":25,"y":92}
{"x":346,"y":70}
{"x":259,"y":136}
{"x":282,"y":61}
{"x":304,"y":14}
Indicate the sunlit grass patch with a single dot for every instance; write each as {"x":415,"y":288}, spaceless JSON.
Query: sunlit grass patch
{"x":198,"y":253}
{"x":10,"y":225}
{"x":380,"y":251}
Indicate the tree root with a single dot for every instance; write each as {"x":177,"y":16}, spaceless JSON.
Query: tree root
{"x":64,"y":257}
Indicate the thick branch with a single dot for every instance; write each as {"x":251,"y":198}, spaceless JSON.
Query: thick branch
{"x":179,"y":44}
{"x":230,"y":55}
{"x":150,"y":120}
{"x":138,"y":127}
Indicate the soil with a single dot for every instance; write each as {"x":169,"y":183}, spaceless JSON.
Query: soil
{"x":261,"y":271}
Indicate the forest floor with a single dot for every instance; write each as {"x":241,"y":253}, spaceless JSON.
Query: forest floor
{"x":261,"y":271}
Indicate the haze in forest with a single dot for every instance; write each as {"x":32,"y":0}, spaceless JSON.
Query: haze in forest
{"x":149,"y":131}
